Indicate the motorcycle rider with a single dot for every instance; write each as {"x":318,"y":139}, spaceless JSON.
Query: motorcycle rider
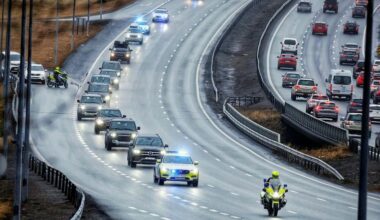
{"x":274,"y":180}
{"x":57,"y":73}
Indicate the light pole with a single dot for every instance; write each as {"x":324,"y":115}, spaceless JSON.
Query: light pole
{"x":56,"y":32}
{"x":88,"y":18}
{"x":73,"y":26}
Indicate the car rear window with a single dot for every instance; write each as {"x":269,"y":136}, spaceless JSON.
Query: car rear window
{"x":293,"y":75}
{"x":356,"y":117}
{"x":376,"y":108}
{"x":376,"y":82}
{"x":304,"y":4}
{"x":320,"y":24}
{"x":342,"y":80}
{"x":327,"y":104}
{"x":358,"y":101}
{"x":290,"y":42}
{"x":306,"y":82}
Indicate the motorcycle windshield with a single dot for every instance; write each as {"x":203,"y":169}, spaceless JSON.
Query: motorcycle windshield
{"x":275,"y":184}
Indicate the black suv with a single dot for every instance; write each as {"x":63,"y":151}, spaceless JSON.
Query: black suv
{"x":330,"y":5}
{"x":121,"y":52}
{"x":146,"y":149}
{"x":104,"y":117}
{"x":113,"y":74}
{"x":120,"y":133}
{"x":112,"y":65}
{"x":358,"y":12}
{"x":89,"y":105}
{"x":351,"y":27}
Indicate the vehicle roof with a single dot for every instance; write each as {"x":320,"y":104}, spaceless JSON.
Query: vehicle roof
{"x":289,"y":38}
{"x":306,"y":79}
{"x":108,"y":70}
{"x":176,"y":153}
{"x":351,"y":43}
{"x":109,"y":61}
{"x":320,"y":22}
{"x":292,"y":73}
{"x":351,"y":22}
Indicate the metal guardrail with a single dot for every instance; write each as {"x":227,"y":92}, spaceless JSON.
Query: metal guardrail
{"x":60,"y":181}
{"x":300,"y":120}
{"x":354,"y":145}
{"x":292,"y":155}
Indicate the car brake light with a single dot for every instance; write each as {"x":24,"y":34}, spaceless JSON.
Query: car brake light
{"x":336,"y":109}
{"x":317,"y":109}
{"x":297,"y":87}
{"x":378,"y":93}
{"x":314,"y":88}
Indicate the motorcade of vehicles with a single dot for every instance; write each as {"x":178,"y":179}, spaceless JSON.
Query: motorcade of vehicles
{"x":339,"y":84}
{"x":330,"y":6}
{"x":160,"y":15}
{"x":289,"y":79}
{"x":115,"y":77}
{"x":176,"y":166}
{"x":304,"y":6}
{"x":319,"y":28}
{"x":304,"y":88}
{"x":120,"y":133}
{"x":287,"y":61}
{"x":289,"y":45}
{"x":104,"y":117}
{"x":89,"y":105}
{"x":146,"y":149}
{"x":355,"y":106}
{"x":120,"y":51}
{"x":101,"y":89}
{"x":313,"y":101}
{"x":273,"y":197}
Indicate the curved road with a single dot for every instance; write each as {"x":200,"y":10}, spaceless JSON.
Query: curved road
{"x":162,"y":91}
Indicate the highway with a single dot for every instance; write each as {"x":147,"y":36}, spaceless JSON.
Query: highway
{"x":163,"y":91}
{"x":317,"y":54}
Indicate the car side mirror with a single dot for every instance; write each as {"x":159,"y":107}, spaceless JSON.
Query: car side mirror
{"x":281,"y":43}
{"x":78,"y":101}
{"x":124,"y":116}
{"x":285,"y":185}
{"x":316,"y":84}
{"x":166,"y":146}
{"x":196,"y":163}
{"x":326,"y":80}
{"x":158,"y":161}
{"x":138,"y":128}
{"x":104,"y":101}
{"x":100,"y":68}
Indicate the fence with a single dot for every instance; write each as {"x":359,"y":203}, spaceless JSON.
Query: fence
{"x":60,"y":181}
{"x":269,"y":139}
{"x":373,"y":154}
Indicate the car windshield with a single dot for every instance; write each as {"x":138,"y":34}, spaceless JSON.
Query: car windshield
{"x":164,"y":11}
{"x":358,"y":101}
{"x":376,"y":83}
{"x":356,"y":117}
{"x":304,"y":4}
{"x":91,"y":99}
{"x":351,"y":45}
{"x":348,"y":52}
{"x":351,"y":24}
{"x":109,"y":73}
{"x":123,"y":125}
{"x":98,"y":88}
{"x":134,"y":30}
{"x":110,"y":113}
{"x":100,"y":79}
{"x":111,"y":65}
{"x":14,"y":57}
{"x":331,"y":1}
{"x":149,"y":141}
{"x":293,"y":75}
{"x":290,"y":42}
{"x":376,"y":107}
{"x":327,"y":104}
{"x":37,"y":68}
{"x":177,"y":159}
{"x":377,"y":62}
{"x":342,"y":80}
{"x":320,"y":24}
{"x":306,"y":82}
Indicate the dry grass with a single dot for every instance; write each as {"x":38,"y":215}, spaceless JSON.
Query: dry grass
{"x":266,"y":117}
{"x":330,"y":152}
{"x":5,"y":209}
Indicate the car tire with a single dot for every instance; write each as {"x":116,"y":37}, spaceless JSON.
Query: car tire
{"x":97,"y":131}
{"x":79,"y":117}
{"x":370,"y":134}
{"x":308,"y":110}
{"x":155,"y":179}
{"x":161,"y":181}
{"x":129,"y":161}
{"x":294,"y":97}
{"x":335,"y":119}
{"x":43,"y":82}
{"x":133,"y":164}
{"x":324,"y":11}
{"x":108,"y":146}
{"x":195,"y":183}
{"x":313,"y":33}
{"x":374,"y":101}
{"x":349,"y":97}
{"x":283,"y":86}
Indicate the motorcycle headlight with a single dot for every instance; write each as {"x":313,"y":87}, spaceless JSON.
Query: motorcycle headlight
{"x":135,"y":151}
{"x":100,"y":107}
{"x":113,"y":134}
{"x":82,"y":107}
{"x":99,"y":121}
{"x":163,"y":152}
{"x":107,"y":98}
{"x":133,"y":135}
{"x":276,"y":195}
{"x":116,"y":81}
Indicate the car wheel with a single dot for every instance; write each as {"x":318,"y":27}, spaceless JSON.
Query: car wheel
{"x":189,"y":183}
{"x":79,"y":117}
{"x":129,"y":161}
{"x":133,"y":164}
{"x":195,"y":183}
{"x":161,"y":181}
{"x":335,"y":119}
{"x":97,"y":130}
{"x":308,"y":110}
{"x":313,"y":33}
{"x":324,"y":11}
{"x":293,"y":97}
{"x":349,"y":97}
{"x":283,"y":86}
{"x":374,"y":101}
{"x":108,"y":146}
{"x":43,"y":82}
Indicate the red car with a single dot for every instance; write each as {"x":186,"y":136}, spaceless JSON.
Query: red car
{"x":319,"y":28}
{"x":360,"y":79}
{"x":287,"y":61}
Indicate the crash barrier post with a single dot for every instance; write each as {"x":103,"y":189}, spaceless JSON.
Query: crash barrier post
{"x":354,"y":146}
{"x":222,"y":36}
{"x":303,"y":122}
{"x":271,"y":140}
{"x":60,"y":181}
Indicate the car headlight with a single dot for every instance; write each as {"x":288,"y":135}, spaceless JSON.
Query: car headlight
{"x":116,"y":81}
{"x":194,"y":170}
{"x":107,"y":98}
{"x":164,"y":169}
{"x":100,"y":107}
{"x":82,"y":107}
{"x":135,"y":151}
{"x":113,"y":134}
{"x":112,"y":54}
{"x":127,"y":55}
{"x":163,"y":152}
{"x":118,"y":73}
{"x":276,"y":195}
{"x":99,"y":121}
{"x":133,"y":135}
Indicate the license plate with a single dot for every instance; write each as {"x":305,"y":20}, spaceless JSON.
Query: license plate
{"x":150,"y":158}
{"x":287,"y":61}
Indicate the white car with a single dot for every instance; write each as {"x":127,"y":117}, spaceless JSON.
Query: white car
{"x":374,"y":112}
{"x":14,"y":61}
{"x":144,"y":26}
{"x":161,"y":15}
{"x":289,"y":45}
{"x":37,"y":74}
{"x":134,"y":34}
{"x":376,"y":66}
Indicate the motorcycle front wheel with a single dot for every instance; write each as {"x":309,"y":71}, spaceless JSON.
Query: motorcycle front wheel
{"x":275,"y":210}
{"x":66,"y":84}
{"x":50,"y":84}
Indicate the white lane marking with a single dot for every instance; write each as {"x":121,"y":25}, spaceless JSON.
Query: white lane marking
{"x":203,"y":207}
{"x":217,"y":159}
{"x":142,"y":211}
{"x":293,"y":191}
{"x":210,"y":186}
{"x":247,"y":174}
{"x":223,"y":213}
{"x":131,"y":207}
{"x":232,"y":167}
{"x":235,"y":194}
{"x":354,"y":208}
{"x":154,"y":214}
{"x":245,"y":147}
{"x":213,"y":210}
{"x":290,"y":211}
{"x":320,"y":199}
{"x":235,"y":217}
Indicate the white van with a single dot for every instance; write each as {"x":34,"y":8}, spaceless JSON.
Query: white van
{"x":339,"y":84}
{"x":289,"y":45}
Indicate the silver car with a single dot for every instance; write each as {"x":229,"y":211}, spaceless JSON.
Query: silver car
{"x":89,"y":105}
{"x":134,"y":34}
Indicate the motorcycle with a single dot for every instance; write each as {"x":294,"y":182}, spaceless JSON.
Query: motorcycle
{"x":61,"y":81}
{"x":273,"y":197}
